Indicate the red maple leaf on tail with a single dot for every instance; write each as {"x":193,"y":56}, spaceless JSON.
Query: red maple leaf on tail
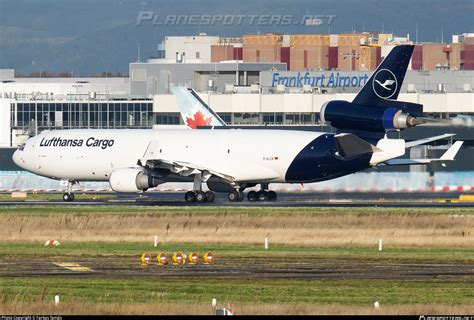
{"x":198,"y":120}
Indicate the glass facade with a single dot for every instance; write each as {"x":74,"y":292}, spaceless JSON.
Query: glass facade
{"x":168,"y":118}
{"x":116,"y":114}
{"x":275,"y":118}
{"x":78,"y":115}
{"x":272,"y":118}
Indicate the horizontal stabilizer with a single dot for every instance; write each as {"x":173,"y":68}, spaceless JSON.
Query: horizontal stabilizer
{"x":426,"y":140}
{"x":452,"y":151}
{"x":447,"y":156}
{"x":349,"y":145}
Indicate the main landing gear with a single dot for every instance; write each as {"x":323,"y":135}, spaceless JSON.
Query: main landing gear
{"x":262,"y":195}
{"x":68,"y":196}
{"x":236,"y":195}
{"x":198,"y":195}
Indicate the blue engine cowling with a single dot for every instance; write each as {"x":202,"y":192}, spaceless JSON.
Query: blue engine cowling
{"x":351,"y":116}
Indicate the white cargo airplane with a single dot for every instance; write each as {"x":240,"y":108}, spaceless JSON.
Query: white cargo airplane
{"x":231,"y":160}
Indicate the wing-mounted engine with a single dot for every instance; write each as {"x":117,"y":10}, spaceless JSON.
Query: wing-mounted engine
{"x":132,"y":180}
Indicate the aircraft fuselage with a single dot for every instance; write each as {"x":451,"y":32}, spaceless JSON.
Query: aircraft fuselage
{"x":247,"y":155}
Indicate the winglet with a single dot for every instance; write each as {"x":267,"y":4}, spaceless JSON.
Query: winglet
{"x":452,"y":151}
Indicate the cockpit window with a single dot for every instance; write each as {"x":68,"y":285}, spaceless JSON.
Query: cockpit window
{"x":22,"y":147}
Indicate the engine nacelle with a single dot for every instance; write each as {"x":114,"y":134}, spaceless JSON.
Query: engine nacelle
{"x":132,"y":180}
{"x":347,"y":115}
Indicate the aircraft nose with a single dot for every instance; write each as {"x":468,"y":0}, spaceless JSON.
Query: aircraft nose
{"x":17,"y":158}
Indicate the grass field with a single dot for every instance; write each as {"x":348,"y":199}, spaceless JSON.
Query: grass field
{"x":290,"y":226}
{"x":433,"y":235}
{"x":142,"y":291}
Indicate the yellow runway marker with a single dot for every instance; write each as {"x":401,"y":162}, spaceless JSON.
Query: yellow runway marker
{"x":73,"y":266}
{"x":466,"y":197}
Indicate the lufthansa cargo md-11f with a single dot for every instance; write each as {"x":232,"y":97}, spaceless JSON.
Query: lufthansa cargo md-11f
{"x":231,"y":160}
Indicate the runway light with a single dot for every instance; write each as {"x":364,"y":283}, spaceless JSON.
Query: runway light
{"x":56,"y":299}
{"x":161,"y":259}
{"x":179,"y":258}
{"x":155,"y":244}
{"x":146,"y":259}
{"x":266,"y":243}
{"x":209,"y":258}
{"x":380,"y":244}
{"x":214,"y":302}
{"x":193,"y":257}
{"x":377,"y":305}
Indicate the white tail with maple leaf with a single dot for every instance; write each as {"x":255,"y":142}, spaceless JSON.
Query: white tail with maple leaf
{"x":195,"y":112}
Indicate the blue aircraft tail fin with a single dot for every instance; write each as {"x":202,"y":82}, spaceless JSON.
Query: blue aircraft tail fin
{"x":386,"y":81}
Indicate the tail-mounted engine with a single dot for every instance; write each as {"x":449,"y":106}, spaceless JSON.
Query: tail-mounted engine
{"x":350,"y":116}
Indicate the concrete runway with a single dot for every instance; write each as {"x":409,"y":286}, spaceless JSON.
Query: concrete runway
{"x":235,"y":268}
{"x":309,"y":199}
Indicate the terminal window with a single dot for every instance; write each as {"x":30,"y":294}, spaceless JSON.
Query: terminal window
{"x":70,"y":115}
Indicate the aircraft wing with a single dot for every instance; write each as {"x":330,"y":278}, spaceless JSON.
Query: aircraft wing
{"x":447,"y":156}
{"x":151,"y":160}
{"x":186,"y":169}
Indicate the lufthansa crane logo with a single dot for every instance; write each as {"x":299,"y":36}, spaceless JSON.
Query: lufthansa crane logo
{"x":385,"y":84}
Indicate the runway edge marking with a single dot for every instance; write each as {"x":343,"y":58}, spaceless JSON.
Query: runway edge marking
{"x":73,"y":266}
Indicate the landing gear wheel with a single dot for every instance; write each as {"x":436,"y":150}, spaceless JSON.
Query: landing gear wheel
{"x":262,"y":196}
{"x":68,"y":197}
{"x":252,"y":196}
{"x":272,"y":196}
{"x":190,"y":196}
{"x":210,"y":196}
{"x":200,"y":196}
{"x":234,"y":196}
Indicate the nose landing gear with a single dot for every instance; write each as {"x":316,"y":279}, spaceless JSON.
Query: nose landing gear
{"x":68,"y":196}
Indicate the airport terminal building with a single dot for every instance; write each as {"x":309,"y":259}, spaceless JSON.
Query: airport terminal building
{"x":272,"y":96}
